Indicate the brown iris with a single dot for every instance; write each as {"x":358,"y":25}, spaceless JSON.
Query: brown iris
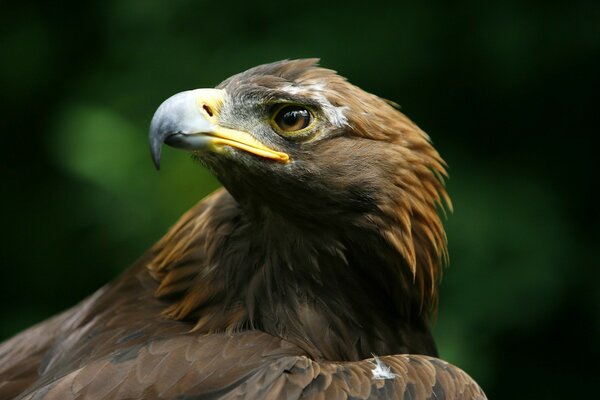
{"x":292,"y":118}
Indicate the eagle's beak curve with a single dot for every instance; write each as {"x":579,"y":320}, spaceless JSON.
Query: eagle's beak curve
{"x":189,"y":121}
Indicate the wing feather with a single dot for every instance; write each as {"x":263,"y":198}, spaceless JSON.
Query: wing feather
{"x":251,"y":365}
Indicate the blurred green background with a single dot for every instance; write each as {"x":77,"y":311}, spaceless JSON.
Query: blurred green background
{"x":507,"y":90}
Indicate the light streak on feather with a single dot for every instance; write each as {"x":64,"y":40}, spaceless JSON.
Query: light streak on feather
{"x":335,"y":115}
{"x":381,"y":370}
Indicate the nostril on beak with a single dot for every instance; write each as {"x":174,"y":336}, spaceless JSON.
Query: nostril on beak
{"x":208,"y":110}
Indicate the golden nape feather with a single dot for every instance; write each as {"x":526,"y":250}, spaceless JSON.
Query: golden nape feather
{"x":311,"y":274}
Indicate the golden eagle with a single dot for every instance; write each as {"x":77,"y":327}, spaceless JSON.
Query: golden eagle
{"x":312,"y":274}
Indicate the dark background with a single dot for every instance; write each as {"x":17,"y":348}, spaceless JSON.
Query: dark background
{"x":507,"y":90}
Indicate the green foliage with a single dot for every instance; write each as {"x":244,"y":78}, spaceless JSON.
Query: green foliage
{"x":504,"y":90}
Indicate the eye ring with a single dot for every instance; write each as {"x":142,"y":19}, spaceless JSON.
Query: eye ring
{"x":292,"y":119}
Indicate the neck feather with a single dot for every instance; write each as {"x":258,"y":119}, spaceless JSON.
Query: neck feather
{"x":340,"y":295}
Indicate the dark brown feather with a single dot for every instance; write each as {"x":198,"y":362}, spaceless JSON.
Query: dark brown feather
{"x":115,"y":345}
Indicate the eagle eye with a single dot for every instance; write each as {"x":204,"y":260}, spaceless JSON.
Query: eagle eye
{"x":292,"y":118}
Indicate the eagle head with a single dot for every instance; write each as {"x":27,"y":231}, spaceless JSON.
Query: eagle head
{"x":300,"y":141}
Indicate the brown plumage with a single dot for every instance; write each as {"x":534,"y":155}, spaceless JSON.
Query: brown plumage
{"x":323,"y":249}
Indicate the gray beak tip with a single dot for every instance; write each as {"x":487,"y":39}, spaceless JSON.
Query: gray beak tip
{"x":155,"y":151}
{"x":178,"y":116}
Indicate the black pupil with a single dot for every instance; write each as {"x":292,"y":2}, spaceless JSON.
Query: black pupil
{"x":293,"y":118}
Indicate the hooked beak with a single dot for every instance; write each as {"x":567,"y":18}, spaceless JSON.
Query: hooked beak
{"x":189,"y":121}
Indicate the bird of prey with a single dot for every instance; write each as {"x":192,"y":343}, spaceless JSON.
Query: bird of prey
{"x":311,"y":274}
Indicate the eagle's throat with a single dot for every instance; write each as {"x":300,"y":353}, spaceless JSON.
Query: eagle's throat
{"x":338,"y":295}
